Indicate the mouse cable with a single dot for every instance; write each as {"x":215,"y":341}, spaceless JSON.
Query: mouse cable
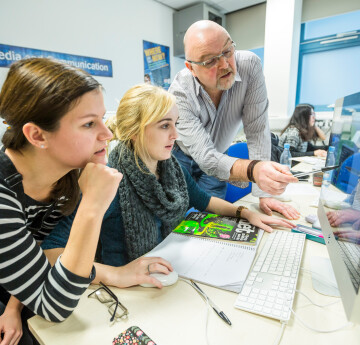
{"x":325,"y":282}
{"x":278,"y":339}
{"x":208,"y":309}
{"x":319,"y":277}
{"x":315,"y":304}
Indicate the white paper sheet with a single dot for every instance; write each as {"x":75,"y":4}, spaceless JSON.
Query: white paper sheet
{"x":217,"y":263}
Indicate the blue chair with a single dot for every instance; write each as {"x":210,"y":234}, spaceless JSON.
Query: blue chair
{"x":238,"y":150}
{"x":192,"y":209}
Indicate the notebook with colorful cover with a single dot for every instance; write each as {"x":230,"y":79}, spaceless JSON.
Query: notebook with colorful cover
{"x":219,"y":227}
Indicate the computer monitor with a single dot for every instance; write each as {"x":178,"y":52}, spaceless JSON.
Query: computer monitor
{"x":341,"y":227}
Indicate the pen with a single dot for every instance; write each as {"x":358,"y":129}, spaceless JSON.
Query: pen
{"x":213,"y":305}
{"x":310,"y":232}
{"x":316,"y":171}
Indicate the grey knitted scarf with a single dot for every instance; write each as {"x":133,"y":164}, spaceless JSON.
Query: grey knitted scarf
{"x":142,"y":197}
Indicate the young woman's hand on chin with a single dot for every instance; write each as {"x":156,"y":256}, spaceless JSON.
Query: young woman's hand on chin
{"x":99,"y":184}
{"x":263,"y":221}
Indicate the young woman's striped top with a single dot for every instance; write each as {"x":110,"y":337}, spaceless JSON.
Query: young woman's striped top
{"x":25,"y":272}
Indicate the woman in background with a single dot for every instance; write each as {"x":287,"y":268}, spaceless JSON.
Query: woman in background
{"x":54,"y":117}
{"x":154,"y":194}
{"x":301,"y":130}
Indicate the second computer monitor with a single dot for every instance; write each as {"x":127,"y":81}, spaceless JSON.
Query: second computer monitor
{"x":341,"y":226}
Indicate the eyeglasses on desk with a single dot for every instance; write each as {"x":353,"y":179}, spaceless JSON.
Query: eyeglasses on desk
{"x":105,"y":296}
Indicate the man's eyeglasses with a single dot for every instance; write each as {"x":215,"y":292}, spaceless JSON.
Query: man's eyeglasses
{"x":227,"y":54}
{"x":105,"y":295}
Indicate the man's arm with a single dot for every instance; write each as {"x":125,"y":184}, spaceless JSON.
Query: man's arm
{"x":255,"y":118}
{"x":257,"y":131}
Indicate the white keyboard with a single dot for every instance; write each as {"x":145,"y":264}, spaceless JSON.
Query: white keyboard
{"x":270,"y":286}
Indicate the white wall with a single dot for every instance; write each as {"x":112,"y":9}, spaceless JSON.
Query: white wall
{"x":316,"y":9}
{"x":281,"y":54}
{"x":247,"y":28}
{"x":107,"y":29}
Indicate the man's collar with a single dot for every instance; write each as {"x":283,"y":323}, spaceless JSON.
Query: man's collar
{"x":197,"y":86}
{"x":237,"y":76}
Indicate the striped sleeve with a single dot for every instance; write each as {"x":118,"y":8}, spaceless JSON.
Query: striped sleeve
{"x":26,"y":273}
{"x":292,"y":137}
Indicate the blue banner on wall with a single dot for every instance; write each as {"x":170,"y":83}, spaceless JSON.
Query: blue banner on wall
{"x":94,"y":66}
{"x":156,"y":64}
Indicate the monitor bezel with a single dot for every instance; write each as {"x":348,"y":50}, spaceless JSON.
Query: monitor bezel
{"x":349,"y":297}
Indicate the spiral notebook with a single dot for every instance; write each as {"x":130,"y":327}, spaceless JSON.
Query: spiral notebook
{"x":213,"y":262}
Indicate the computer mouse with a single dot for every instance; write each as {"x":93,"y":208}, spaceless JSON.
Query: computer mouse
{"x":317,"y":224}
{"x":165,"y":279}
{"x":312,"y":218}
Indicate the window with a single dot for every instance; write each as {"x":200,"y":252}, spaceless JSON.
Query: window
{"x":329,"y":59}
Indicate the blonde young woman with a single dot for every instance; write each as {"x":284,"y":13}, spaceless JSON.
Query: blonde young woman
{"x":155,"y":191}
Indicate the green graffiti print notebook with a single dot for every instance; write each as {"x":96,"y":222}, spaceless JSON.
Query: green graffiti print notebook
{"x":219,"y":227}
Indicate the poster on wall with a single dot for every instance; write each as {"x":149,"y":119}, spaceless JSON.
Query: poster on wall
{"x":156,"y":64}
{"x":94,"y":66}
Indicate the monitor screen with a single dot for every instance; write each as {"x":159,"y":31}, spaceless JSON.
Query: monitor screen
{"x":339,"y":205}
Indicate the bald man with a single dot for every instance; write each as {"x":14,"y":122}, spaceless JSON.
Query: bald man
{"x":219,"y":89}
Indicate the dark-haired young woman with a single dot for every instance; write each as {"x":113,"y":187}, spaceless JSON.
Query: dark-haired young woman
{"x":54,"y":114}
{"x":301,"y":130}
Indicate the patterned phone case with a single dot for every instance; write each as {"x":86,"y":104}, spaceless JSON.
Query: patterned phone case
{"x":133,"y":336}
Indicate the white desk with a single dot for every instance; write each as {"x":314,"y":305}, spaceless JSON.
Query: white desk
{"x":176,"y":315}
{"x":311,"y":160}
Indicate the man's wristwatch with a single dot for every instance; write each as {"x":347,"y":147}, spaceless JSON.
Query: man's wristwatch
{"x":239,"y":210}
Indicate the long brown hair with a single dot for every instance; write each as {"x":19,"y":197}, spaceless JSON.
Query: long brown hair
{"x":301,"y":120}
{"x":42,"y":91}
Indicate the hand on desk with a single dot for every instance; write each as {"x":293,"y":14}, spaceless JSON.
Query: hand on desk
{"x":348,"y":235}
{"x":350,"y":215}
{"x":267,"y":205}
{"x":320,"y":153}
{"x":263,"y":221}
{"x":137,"y":272}
{"x":273,"y":177}
{"x":10,"y":326}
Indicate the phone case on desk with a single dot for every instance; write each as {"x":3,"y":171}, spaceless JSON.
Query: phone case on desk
{"x":133,"y":336}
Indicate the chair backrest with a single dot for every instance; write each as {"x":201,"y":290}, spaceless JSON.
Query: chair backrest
{"x":238,"y":150}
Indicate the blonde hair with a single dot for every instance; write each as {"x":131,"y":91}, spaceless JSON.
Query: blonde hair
{"x":141,"y":106}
